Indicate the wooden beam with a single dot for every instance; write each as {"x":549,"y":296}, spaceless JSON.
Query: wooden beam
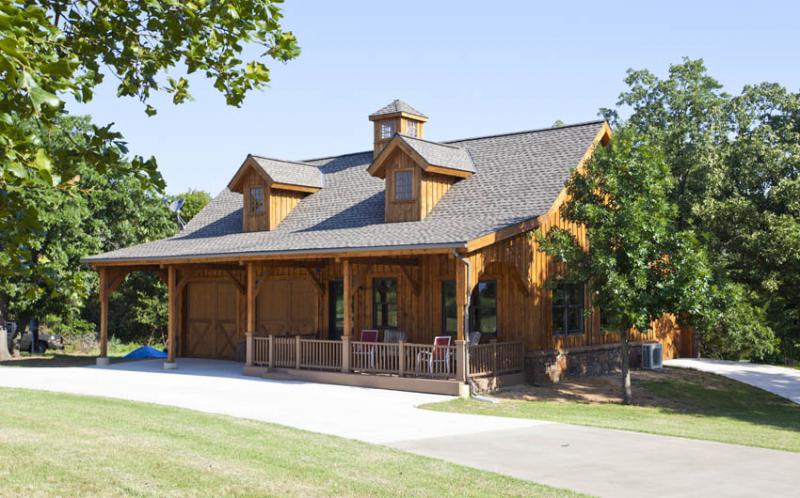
{"x":232,"y":278}
{"x":103,"y":294}
{"x":387,"y":261}
{"x":312,"y":274}
{"x":250,"y":305}
{"x":360,"y":280}
{"x":348,"y":299}
{"x":172,"y":313}
{"x":267,"y":258}
{"x":410,"y":276}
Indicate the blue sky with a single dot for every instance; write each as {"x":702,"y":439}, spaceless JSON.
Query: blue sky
{"x":474,"y":68}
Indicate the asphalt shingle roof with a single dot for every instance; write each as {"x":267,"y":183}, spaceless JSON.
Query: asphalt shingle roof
{"x":519,"y":176}
{"x":396,"y":106}
{"x":445,"y":155}
{"x":291,"y":172}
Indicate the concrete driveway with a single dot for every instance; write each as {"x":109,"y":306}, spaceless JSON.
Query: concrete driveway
{"x":783,"y":381}
{"x":596,"y":461}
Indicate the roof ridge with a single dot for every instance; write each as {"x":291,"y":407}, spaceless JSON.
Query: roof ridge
{"x":300,"y":163}
{"x":428,"y":141}
{"x":522,"y":132}
{"x":449,"y":142}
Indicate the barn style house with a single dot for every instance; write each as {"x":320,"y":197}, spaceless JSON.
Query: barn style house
{"x":408,"y":266}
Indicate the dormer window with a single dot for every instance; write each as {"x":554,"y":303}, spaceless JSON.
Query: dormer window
{"x":411,"y":128}
{"x":257,"y":200}
{"x":387,"y":130}
{"x":403,"y":186}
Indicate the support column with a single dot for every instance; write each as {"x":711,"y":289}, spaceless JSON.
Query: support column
{"x":462,"y":289}
{"x":103,"y":294}
{"x":347,"y":276}
{"x":250,"y":304}
{"x":172,"y":317}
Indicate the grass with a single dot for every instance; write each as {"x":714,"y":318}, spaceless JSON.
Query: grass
{"x":692,"y":405}
{"x":64,"y":445}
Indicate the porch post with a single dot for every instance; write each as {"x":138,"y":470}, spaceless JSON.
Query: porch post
{"x":462,"y":287}
{"x":103,"y":295}
{"x":248,"y":352}
{"x":347,"y":277}
{"x":462,"y":369}
{"x":172,"y":316}
{"x":250,"y":326}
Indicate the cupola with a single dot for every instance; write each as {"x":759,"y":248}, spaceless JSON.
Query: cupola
{"x":271,"y":188}
{"x":417,"y":173}
{"x":396,"y":117}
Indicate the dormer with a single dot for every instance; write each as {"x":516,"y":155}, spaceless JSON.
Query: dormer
{"x":395,"y":118}
{"x":271,"y":188}
{"x":417,"y":173}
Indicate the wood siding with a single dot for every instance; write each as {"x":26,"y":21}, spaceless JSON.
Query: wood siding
{"x":433,"y":186}
{"x":254,"y":222}
{"x":278,"y":203}
{"x":408,"y":210}
{"x":281,"y":203}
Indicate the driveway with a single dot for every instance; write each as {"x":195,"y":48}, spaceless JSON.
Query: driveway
{"x":596,"y":461}
{"x":783,"y":381}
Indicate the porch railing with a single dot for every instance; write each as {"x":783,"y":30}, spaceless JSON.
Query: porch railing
{"x":497,"y":358}
{"x":401,"y":359}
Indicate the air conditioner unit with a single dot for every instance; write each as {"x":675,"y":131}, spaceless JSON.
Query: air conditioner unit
{"x":652,"y":357}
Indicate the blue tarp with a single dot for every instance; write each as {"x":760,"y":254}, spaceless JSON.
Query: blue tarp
{"x":145,"y":352}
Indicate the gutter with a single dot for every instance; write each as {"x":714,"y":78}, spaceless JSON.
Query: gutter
{"x":254,"y":254}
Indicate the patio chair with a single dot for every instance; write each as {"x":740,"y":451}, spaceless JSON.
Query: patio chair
{"x":365,"y":352}
{"x":474,"y":338}
{"x":438,"y":356}
{"x":393,"y":335}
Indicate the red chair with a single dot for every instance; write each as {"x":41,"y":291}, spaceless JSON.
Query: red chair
{"x":438,"y":359}
{"x":365,"y":352}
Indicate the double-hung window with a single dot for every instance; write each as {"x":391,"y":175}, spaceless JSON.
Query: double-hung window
{"x":568,"y":309}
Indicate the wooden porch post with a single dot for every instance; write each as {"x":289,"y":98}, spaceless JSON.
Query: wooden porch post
{"x":103,"y":294}
{"x":347,"y":324}
{"x":462,"y":287}
{"x":250,"y":310}
{"x":172,"y":317}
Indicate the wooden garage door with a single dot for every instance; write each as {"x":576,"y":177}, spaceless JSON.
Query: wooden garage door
{"x":287,"y":306}
{"x":210,"y":321}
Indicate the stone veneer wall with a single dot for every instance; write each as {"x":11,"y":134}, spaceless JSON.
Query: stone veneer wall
{"x":550,"y":366}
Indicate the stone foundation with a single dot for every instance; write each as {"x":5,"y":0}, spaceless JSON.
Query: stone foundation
{"x":551,"y":366}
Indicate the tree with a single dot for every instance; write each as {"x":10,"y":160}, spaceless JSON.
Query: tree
{"x":193,"y":202}
{"x":638,"y":265}
{"x":50,"y":48}
{"x":735,"y":161}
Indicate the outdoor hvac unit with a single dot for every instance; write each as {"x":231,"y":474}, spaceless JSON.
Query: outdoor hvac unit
{"x":652,"y":358}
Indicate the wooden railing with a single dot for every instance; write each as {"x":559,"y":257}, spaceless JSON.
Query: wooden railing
{"x":497,"y":358}
{"x":320,"y":355}
{"x":401,"y":359}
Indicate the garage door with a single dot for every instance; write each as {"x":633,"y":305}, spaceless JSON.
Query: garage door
{"x":287,"y":306}
{"x":210,"y":321}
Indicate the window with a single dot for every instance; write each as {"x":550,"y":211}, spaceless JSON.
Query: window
{"x":387,"y":129}
{"x":411,"y":128}
{"x":483,"y":308}
{"x":403,"y":186}
{"x":256,"y":200}
{"x":568,"y":309}
{"x":384,"y":303}
{"x":449,"y":319}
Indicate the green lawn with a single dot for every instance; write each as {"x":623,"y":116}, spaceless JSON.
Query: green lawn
{"x":700,"y":406}
{"x":64,"y":445}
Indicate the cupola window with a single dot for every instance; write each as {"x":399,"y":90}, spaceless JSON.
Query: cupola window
{"x":387,"y":130}
{"x":411,"y":128}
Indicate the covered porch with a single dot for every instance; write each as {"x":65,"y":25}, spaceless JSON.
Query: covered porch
{"x":302,"y":317}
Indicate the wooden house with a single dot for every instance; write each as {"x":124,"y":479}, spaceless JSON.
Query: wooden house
{"x":413,"y":238}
